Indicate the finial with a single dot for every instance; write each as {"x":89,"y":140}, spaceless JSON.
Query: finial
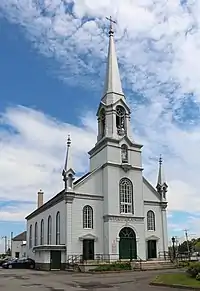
{"x":160,"y":160}
{"x":111,"y":32}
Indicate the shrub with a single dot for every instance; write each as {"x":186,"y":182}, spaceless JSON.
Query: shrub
{"x":183,"y":264}
{"x":193,"y":269}
{"x":198,"y":277}
{"x":117,"y":266}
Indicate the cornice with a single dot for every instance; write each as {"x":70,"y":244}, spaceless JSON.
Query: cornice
{"x":122,"y":218}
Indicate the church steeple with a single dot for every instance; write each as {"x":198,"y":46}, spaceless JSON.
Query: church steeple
{"x":113,"y":112}
{"x":112,"y":85}
{"x":161,"y":183}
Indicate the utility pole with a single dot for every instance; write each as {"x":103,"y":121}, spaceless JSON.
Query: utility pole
{"x":11,"y":237}
{"x":5,"y":243}
{"x":176,"y":244}
{"x":187,"y":241}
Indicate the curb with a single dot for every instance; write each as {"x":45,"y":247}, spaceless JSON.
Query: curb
{"x":174,"y":286}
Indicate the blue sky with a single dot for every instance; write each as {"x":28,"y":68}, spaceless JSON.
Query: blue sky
{"x":52,"y":65}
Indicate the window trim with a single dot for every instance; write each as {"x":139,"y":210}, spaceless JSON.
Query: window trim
{"x":30,"y":236}
{"x":49,"y":230}
{"x":88,"y":220}
{"x":151,"y":221}
{"x":123,"y":197}
{"x":36,"y":234}
{"x":58,"y":228}
{"x":42,"y":232}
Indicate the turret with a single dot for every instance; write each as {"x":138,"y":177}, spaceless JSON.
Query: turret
{"x":68,"y":172}
{"x":161,"y":183}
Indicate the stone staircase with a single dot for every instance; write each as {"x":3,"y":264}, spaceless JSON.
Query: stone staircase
{"x":153,"y":265}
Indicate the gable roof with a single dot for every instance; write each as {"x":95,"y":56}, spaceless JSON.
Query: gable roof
{"x":20,"y":237}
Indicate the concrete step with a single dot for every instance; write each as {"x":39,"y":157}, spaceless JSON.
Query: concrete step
{"x":153,"y":265}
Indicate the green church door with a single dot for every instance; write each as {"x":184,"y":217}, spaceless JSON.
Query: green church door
{"x":152,"y":249}
{"x":127,"y":244}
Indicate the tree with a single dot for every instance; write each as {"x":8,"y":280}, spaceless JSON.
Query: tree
{"x":8,"y":252}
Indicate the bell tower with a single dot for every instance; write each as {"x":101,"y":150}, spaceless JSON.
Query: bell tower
{"x":113,"y":114}
{"x":114,"y":139}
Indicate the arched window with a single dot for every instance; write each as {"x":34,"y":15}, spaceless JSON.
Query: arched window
{"x":87,"y":217}
{"x":49,"y":230}
{"x":58,"y":228}
{"x":120,"y":120}
{"x":102,"y":117}
{"x":151,"y":220}
{"x":126,"y":196}
{"x":42,"y":232}
{"x":30,"y":237}
{"x":124,"y":153}
{"x":36,"y":234}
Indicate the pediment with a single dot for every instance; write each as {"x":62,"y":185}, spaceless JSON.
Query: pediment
{"x":88,"y":236}
{"x":152,"y":237}
{"x":129,"y":142}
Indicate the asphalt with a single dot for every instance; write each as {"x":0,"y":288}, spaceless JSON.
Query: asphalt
{"x":17,"y":280}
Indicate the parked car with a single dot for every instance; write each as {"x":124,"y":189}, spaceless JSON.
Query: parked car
{"x":23,"y":263}
{"x":5,"y":260}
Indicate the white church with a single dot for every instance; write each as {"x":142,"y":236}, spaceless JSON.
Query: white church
{"x":110,"y":212}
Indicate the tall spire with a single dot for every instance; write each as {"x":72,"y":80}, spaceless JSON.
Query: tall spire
{"x":161,"y":183}
{"x":112,"y":81}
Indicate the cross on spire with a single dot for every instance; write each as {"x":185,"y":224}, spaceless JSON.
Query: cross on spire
{"x":111,"y":32}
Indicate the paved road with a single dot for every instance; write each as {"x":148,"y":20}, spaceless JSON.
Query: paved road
{"x":17,"y":280}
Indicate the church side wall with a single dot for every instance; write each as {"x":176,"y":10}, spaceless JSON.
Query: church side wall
{"x":78,"y":232}
{"x":44,"y":215}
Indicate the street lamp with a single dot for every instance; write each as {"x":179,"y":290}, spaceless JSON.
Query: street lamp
{"x":173,"y":247}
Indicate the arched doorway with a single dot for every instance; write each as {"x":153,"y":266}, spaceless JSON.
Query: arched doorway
{"x":127,"y":244}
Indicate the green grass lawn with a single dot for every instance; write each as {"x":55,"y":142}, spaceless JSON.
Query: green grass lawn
{"x":177,"y":279}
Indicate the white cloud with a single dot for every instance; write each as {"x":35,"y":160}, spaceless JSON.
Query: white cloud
{"x":33,"y":156}
{"x":158,"y":48}
{"x":158,"y":42}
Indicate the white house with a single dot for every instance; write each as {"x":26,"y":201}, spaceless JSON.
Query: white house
{"x":18,"y":245}
{"x":112,"y":211}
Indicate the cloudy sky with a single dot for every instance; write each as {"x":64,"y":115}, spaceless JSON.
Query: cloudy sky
{"x":52,"y":67}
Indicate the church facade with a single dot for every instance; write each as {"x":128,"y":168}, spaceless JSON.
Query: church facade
{"x":111,"y":211}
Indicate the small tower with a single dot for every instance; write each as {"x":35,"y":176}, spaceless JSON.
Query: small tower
{"x":161,"y":184}
{"x":68,"y":172}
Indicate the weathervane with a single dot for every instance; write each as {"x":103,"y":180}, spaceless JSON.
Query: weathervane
{"x":111,"y":32}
